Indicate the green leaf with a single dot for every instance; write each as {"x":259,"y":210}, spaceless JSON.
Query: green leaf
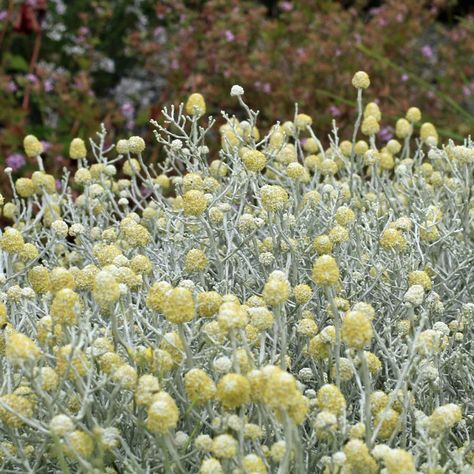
{"x":15,"y":63}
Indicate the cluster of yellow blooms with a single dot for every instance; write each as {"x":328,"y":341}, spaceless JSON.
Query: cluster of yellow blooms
{"x":285,"y":307}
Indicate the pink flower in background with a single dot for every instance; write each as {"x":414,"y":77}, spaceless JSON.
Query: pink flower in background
{"x":300,"y":52}
{"x":286,"y":6}
{"x":263,"y":86}
{"x":427,"y":52}
{"x":229,"y":36}
{"x":11,"y":86}
{"x":48,"y":85}
{"x":334,"y":111}
{"x":128,"y":111}
{"x":174,"y":64}
{"x":46,"y":145}
{"x":32,"y":78}
{"x":386,"y":133}
{"x":404,"y":77}
{"x":375,"y":11}
{"x":158,"y":32}
{"x":15,"y":161}
{"x":3,"y":15}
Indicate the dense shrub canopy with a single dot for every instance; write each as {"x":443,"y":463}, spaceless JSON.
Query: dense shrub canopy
{"x":285,"y":307}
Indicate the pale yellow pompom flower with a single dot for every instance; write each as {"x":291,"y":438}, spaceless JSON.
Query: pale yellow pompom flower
{"x":17,"y":405}
{"x":20,"y":349}
{"x":233,"y":390}
{"x":163,"y":413}
{"x":136,"y":145}
{"x":274,"y":197}
{"x":195,"y":105}
{"x":413,"y":114}
{"x":361,"y":80}
{"x":302,"y":121}
{"x":33,"y":147}
{"x":178,"y":306}
{"x":199,"y":387}
{"x":330,"y":398}
{"x":276,"y":289}
{"x":77,"y":149}
{"x":254,"y":160}
{"x":325,"y":271}
{"x":356,"y":329}
{"x":194,"y":203}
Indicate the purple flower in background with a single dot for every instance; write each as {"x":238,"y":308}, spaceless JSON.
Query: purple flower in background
{"x":427,"y":52}
{"x":386,"y":133}
{"x":128,"y":110}
{"x":159,"y":31}
{"x":466,"y":91}
{"x":229,"y":36}
{"x":11,"y":86}
{"x":15,"y":161}
{"x":174,"y":64}
{"x":334,"y":111}
{"x":404,"y":77}
{"x":48,"y":85}
{"x":46,"y":145}
{"x":32,"y":78}
{"x":59,"y":160}
{"x":3,"y":15}
{"x":286,"y":6}
{"x":263,"y":86}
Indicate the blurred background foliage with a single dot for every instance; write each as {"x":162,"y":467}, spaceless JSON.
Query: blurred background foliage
{"x":66,"y":66}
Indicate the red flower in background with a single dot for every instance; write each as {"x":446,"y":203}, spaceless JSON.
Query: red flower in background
{"x":31,"y":17}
